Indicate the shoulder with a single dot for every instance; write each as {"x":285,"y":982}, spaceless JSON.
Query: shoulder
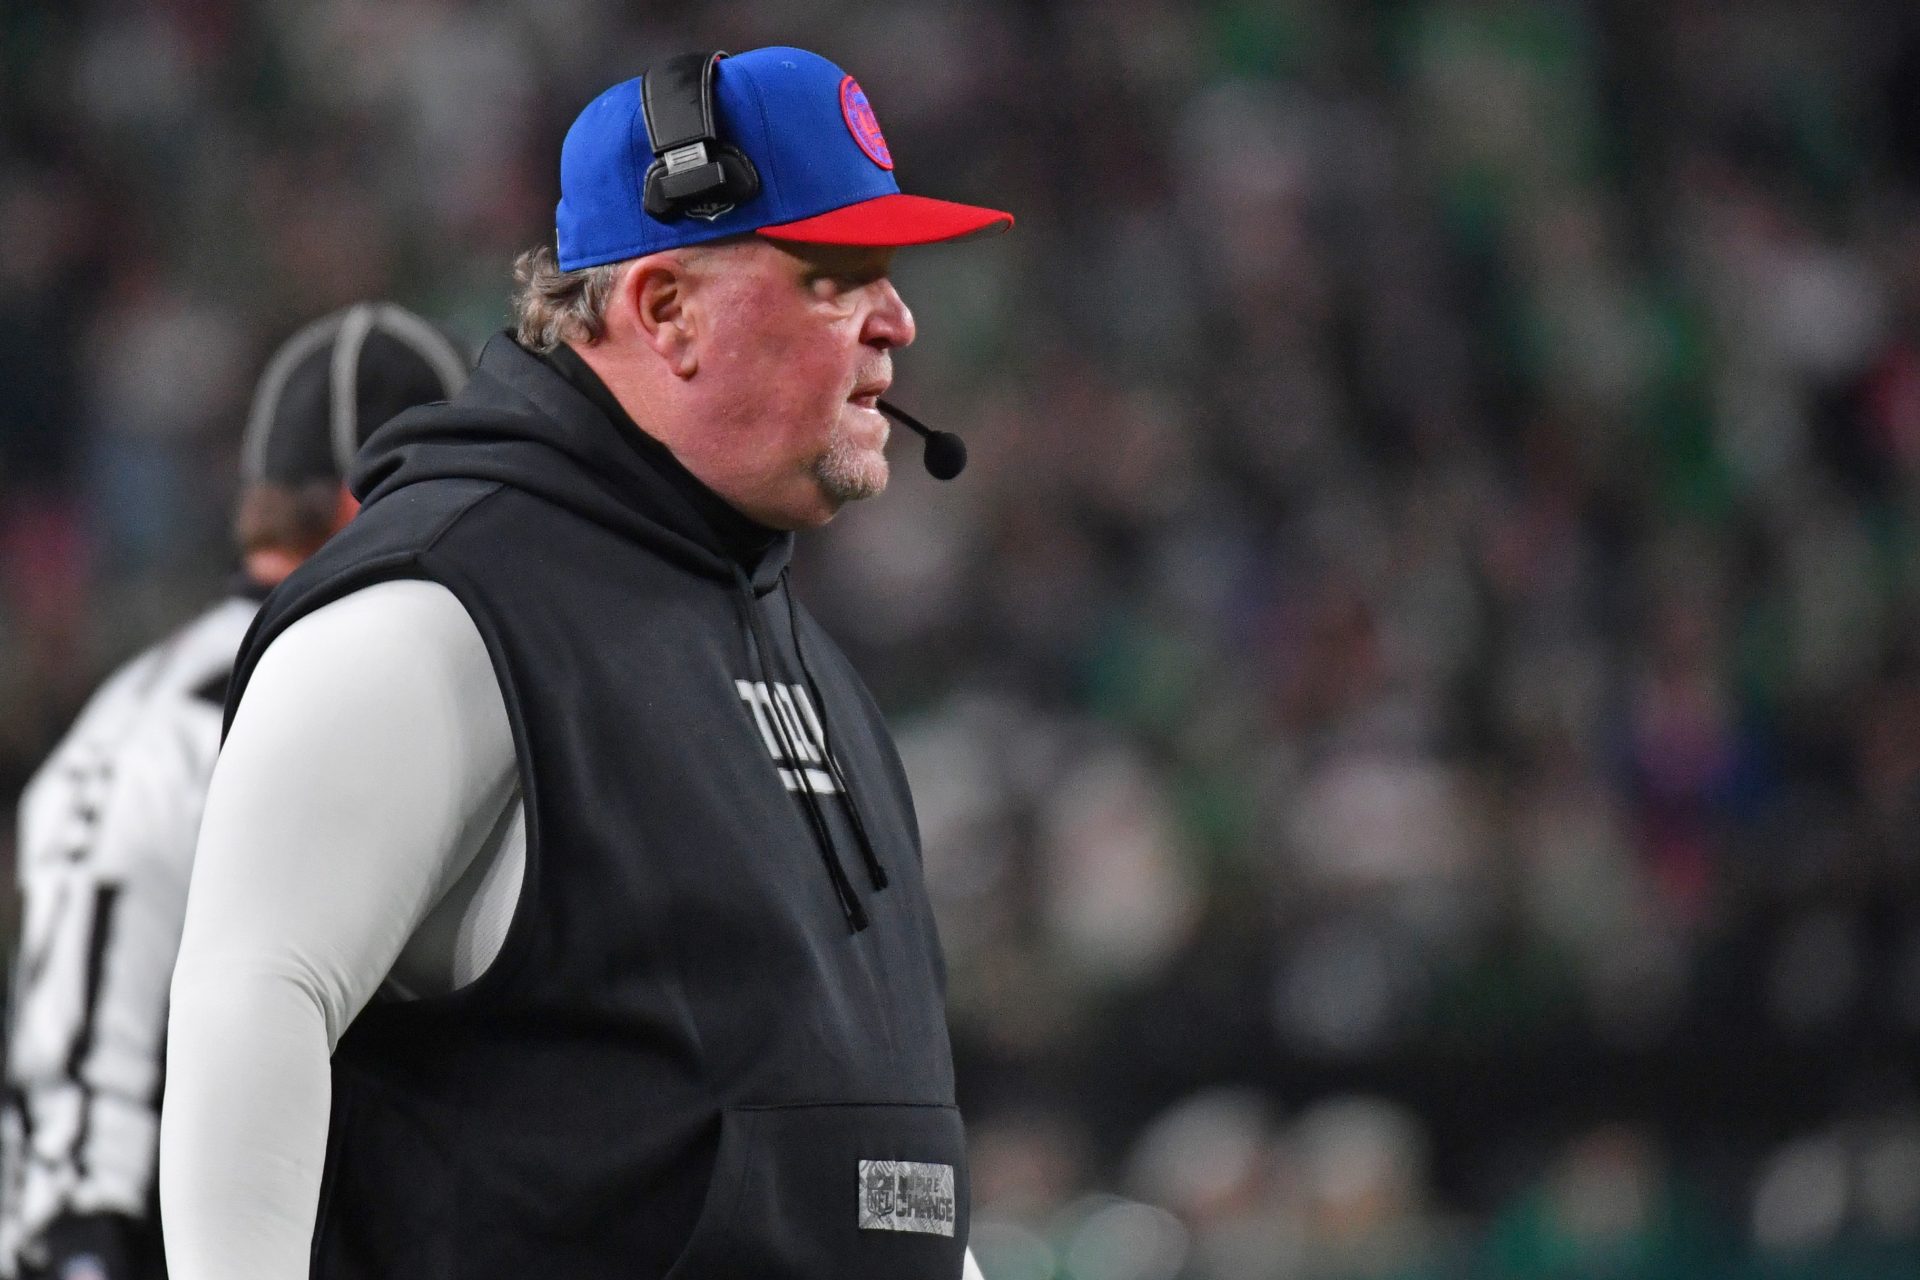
{"x":384,"y":700}
{"x":389,"y":540}
{"x":397,"y":526}
{"x":174,"y":678}
{"x":393,"y":618}
{"x":150,"y":732}
{"x":397,"y":641}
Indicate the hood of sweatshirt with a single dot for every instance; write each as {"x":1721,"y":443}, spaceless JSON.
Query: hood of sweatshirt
{"x":521,"y":422}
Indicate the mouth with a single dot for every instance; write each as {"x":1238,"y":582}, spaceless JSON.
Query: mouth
{"x":867,"y":394}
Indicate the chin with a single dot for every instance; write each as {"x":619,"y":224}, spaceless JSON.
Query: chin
{"x":849,"y":475}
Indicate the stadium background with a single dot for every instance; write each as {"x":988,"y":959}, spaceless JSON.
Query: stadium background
{"x":1415,"y":708}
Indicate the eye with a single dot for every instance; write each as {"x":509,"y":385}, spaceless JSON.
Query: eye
{"x":837,"y":286}
{"x":847,"y":273}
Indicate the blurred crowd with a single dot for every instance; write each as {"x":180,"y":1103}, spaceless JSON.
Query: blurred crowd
{"x":1415,"y":707}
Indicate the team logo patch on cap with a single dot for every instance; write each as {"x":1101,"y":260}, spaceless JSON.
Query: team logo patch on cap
{"x":862,"y":124}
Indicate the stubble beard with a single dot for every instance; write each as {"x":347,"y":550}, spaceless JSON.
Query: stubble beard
{"x":848,"y":470}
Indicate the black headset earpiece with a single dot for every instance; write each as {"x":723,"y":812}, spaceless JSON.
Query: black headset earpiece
{"x":693,"y":174}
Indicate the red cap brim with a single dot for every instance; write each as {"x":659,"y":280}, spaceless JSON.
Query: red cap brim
{"x":893,"y":220}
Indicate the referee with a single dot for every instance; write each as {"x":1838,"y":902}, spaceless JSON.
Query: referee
{"x":108,"y":824}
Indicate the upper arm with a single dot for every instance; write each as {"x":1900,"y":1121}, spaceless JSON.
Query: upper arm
{"x":370,"y":740}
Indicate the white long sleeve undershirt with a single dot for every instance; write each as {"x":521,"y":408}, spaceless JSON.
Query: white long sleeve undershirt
{"x":367,"y":766}
{"x":364,"y":827}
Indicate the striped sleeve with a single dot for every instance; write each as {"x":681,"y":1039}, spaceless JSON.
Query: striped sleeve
{"x":106,"y":842}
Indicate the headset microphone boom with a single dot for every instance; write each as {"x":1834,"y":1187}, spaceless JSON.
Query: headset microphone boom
{"x":946,"y":453}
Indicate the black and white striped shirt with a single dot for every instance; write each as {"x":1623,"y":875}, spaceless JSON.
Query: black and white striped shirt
{"x":107,"y":830}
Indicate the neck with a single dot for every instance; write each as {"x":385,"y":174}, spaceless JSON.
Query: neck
{"x":742,"y":538}
{"x":692,"y":442}
{"x":618,"y":377}
{"x":609,"y":368}
{"x":270,"y":566}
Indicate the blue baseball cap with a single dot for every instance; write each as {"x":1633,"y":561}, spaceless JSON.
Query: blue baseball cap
{"x":825,"y":173}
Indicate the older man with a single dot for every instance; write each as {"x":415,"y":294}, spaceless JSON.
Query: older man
{"x":547,"y":812}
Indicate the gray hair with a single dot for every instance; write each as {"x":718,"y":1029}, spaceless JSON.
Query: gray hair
{"x":551,"y":306}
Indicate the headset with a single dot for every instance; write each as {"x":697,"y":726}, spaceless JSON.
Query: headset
{"x":695,"y":175}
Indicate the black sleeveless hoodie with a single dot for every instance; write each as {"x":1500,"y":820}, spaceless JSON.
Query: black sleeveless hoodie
{"x":714,"y":1042}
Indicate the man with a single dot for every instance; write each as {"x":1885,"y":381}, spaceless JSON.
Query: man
{"x":107,"y":826}
{"x":558,"y":907}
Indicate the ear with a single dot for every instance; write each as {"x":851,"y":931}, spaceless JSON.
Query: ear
{"x":658,"y":289}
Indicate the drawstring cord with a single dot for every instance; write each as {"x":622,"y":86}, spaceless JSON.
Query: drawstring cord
{"x":762,"y":652}
{"x":876,"y":870}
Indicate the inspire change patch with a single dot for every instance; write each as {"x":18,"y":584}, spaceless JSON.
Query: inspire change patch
{"x":902,"y":1195}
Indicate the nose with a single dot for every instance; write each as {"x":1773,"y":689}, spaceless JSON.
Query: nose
{"x":890,"y":322}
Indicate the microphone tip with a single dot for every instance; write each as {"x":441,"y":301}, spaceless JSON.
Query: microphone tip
{"x":946,"y":455}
